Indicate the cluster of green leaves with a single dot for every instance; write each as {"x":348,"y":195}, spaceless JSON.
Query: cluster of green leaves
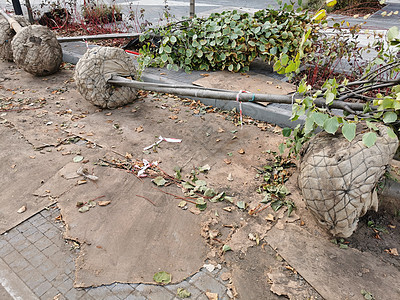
{"x":227,"y":41}
{"x":274,"y":177}
{"x":386,"y":107}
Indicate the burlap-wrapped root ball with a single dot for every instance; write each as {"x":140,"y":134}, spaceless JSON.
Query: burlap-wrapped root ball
{"x":93,"y":71}
{"x":6,"y":35}
{"x":36,"y":50}
{"x":338,"y":178}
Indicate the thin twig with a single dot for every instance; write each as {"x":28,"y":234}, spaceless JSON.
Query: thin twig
{"x":176,"y":196}
{"x":146,"y":199}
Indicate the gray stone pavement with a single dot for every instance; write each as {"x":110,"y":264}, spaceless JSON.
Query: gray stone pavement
{"x":41,"y":265}
{"x":37,"y":263}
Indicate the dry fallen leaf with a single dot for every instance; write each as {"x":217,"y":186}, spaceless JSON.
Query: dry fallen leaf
{"x":81,"y":182}
{"x":277,"y":129}
{"x":227,"y":161}
{"x":173,"y":117}
{"x":195,"y":210}
{"x":220,"y":130}
{"x":104,"y":202}
{"x":226,"y":276}
{"x":228,"y":208}
{"x":270,"y":217}
{"x":139,"y":129}
{"x":230,"y":178}
{"x":213,"y":233}
{"x":32,"y":156}
{"x":21,"y":210}
{"x":205,"y":75}
{"x":13,"y":166}
{"x":392,"y":251}
{"x":241,"y":151}
{"x":212,"y":296}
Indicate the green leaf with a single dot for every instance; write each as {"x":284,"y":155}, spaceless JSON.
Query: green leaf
{"x":284,"y":59}
{"x":392,"y":33}
{"x":391,"y":133}
{"x":349,"y":131}
{"x":309,"y":125}
{"x":267,"y":198}
{"x":182,"y":293}
{"x":331,"y":125}
{"x":218,"y":197}
{"x":160,"y":181}
{"x":201,"y":204}
{"x":281,"y":148}
{"x":329,"y":97}
{"x":167,"y":49}
{"x":369,"y":139}
{"x":77,"y":158}
{"x":164,"y":57}
{"x":241,"y":204}
{"x":162,"y":277}
{"x":209,"y":192}
{"x":320,"y":118}
{"x":277,"y":204}
{"x":173,"y":39}
{"x":187,"y":185}
{"x":226,"y":248}
{"x":200,"y":183}
{"x":84,"y":208}
{"x":286,"y":132}
{"x":389,"y":117}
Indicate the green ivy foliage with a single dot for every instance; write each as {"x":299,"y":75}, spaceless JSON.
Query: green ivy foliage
{"x":227,"y":41}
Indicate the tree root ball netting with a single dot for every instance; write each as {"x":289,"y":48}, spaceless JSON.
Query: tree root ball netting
{"x":6,"y":35}
{"x":93,"y":71}
{"x":36,"y":50}
{"x":338,"y":178}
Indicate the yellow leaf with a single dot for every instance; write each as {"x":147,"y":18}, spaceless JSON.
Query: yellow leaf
{"x":320,"y":15}
{"x":330,"y":3}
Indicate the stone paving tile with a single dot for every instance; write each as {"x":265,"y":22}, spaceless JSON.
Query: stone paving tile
{"x":31,"y":277}
{"x":37,"y":220}
{"x":62,"y":282}
{"x":10,"y":234}
{"x":195,"y":292}
{"x":31,"y":230}
{"x":42,"y":288}
{"x":43,"y":243}
{"x":98,"y":292}
{"x":37,"y":235}
{"x":19,"y":264}
{"x":50,"y":294}
{"x":51,"y":252}
{"x":74,"y":294}
{"x":154,"y":292}
{"x":12,"y":257}
{"x":30,"y":252}
{"x":21,"y":244}
{"x":122,"y":290}
{"x":36,"y":251}
{"x":206,"y":283}
{"x":136,"y":296}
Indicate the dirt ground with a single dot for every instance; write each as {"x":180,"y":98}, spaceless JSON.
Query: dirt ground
{"x":270,"y":255}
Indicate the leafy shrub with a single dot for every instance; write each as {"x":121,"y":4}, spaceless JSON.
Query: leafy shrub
{"x":228,"y":40}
